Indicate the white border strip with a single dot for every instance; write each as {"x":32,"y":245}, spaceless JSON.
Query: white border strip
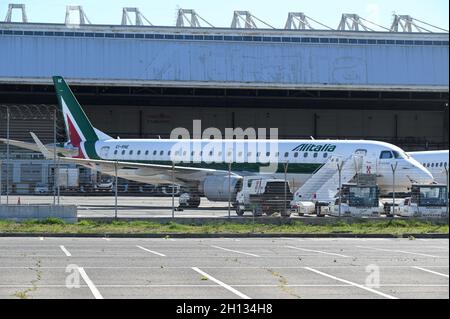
{"x":224,"y":285}
{"x":235,"y":251}
{"x":151,"y":251}
{"x":68,"y":254}
{"x":431,"y":271}
{"x":90,"y":284}
{"x":351,"y":283}
{"x":318,"y":251}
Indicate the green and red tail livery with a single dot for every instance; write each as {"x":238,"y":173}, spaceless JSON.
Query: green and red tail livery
{"x":79,"y":129}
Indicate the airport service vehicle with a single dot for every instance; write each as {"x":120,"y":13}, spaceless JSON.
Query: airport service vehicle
{"x":201,"y":165}
{"x":105,"y":184}
{"x":68,"y":178}
{"x":425,"y":201}
{"x":263,"y":196}
{"x":360,"y":197}
{"x":41,"y":188}
{"x":317,"y":208}
{"x":303,"y":207}
{"x":189,"y":200}
{"x":434,"y":161}
{"x":358,"y":201}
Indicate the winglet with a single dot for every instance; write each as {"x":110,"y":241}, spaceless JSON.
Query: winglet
{"x":47,"y":154}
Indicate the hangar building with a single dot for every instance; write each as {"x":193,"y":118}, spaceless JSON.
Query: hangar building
{"x":143,"y":81}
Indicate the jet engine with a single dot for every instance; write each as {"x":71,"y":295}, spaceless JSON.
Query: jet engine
{"x":217,"y":188}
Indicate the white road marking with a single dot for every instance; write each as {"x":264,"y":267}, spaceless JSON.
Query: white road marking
{"x":106,"y":238}
{"x":90,"y":284}
{"x":68,"y":254}
{"x":342,"y":285}
{"x":399,"y":251}
{"x":318,"y":251}
{"x":41,"y":238}
{"x":224,"y":285}
{"x":351,"y":283}
{"x":235,"y":251}
{"x":431,"y":271}
{"x":151,"y":251}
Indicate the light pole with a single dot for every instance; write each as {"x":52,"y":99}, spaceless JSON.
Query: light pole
{"x":394,"y":168}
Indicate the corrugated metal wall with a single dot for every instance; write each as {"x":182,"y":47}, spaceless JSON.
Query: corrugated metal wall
{"x":270,"y":64}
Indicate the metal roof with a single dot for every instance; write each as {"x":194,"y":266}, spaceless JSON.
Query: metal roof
{"x":222,"y":31}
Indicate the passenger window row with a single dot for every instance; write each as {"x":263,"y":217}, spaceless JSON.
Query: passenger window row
{"x":249,"y":154}
{"x":440,"y":164}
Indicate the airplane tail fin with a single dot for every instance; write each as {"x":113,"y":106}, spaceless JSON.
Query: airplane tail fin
{"x":78,"y":127}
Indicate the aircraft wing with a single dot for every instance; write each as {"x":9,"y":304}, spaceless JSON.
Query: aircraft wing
{"x":141,"y":172}
{"x":34,"y":147}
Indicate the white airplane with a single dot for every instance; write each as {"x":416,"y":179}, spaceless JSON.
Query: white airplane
{"x":202,"y":165}
{"x":434,"y":161}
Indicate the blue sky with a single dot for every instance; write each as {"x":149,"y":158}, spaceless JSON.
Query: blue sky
{"x":219,"y":13}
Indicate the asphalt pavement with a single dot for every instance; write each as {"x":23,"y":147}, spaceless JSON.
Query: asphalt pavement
{"x":223,"y":268}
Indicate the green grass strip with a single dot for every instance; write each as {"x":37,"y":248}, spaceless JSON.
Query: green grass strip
{"x":53,"y":225}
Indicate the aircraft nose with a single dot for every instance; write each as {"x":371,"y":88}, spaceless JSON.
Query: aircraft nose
{"x":425,"y":176}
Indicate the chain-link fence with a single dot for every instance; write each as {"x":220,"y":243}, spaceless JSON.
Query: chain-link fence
{"x":343,"y":186}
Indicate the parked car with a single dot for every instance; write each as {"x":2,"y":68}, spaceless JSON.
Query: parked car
{"x":41,"y":188}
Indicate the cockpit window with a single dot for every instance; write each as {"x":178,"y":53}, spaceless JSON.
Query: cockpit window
{"x":397,"y":155}
{"x":385,"y":154}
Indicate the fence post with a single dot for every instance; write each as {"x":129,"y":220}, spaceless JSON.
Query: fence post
{"x":1,"y":169}
{"x":173,"y":190}
{"x":7,"y":155}
{"x":54,"y":157}
{"x":229,"y":189}
{"x":115,"y":190}
{"x":285,"y":186}
{"x":394,"y":168}
{"x":58,"y":188}
{"x":339,"y":167}
{"x":446,"y":181}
